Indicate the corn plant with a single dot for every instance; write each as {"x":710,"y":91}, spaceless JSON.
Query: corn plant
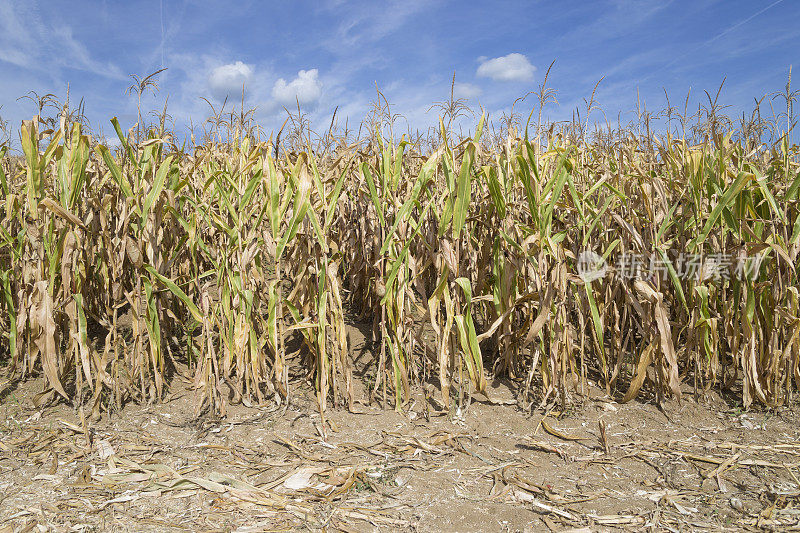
{"x":239,"y":265}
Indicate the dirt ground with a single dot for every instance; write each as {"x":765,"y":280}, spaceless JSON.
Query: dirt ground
{"x":695,"y":466}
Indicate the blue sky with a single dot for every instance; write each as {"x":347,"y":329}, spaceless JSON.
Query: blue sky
{"x":332,"y":53}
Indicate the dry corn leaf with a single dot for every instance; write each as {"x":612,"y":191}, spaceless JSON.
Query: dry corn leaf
{"x":556,"y":433}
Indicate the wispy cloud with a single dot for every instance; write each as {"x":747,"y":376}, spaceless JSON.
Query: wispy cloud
{"x":362,"y":23}
{"x":52,"y":48}
{"x":466,"y":90}
{"x":333,"y":55}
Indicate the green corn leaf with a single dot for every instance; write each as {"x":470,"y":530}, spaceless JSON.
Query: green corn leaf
{"x":8,"y":303}
{"x":795,"y":239}
{"x":673,"y":276}
{"x":400,"y":260}
{"x":495,"y":190}
{"x":3,"y":181}
{"x":727,"y":198}
{"x":116,"y":172}
{"x":177,"y":291}
{"x":479,"y":129}
{"x":300,"y":209}
{"x":333,"y":199}
{"x":123,"y":139}
{"x":405,"y":209}
{"x":561,"y":178}
{"x":463,"y":192}
{"x":373,"y":192}
{"x":773,"y":204}
{"x":794,"y":188}
{"x":598,"y":326}
{"x":250,"y":190}
{"x":525,"y":178}
{"x":156,"y":189}
{"x":153,"y":329}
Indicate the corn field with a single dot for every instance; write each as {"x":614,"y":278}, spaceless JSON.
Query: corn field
{"x":237,"y":263}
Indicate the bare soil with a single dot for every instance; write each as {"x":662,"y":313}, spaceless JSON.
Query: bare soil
{"x":700,"y":464}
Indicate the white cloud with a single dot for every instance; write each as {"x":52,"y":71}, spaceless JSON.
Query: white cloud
{"x":228,"y":80}
{"x":466,"y":90}
{"x":513,"y":67}
{"x":305,"y":88}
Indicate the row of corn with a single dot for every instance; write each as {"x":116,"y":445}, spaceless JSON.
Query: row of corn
{"x":646,"y":266}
